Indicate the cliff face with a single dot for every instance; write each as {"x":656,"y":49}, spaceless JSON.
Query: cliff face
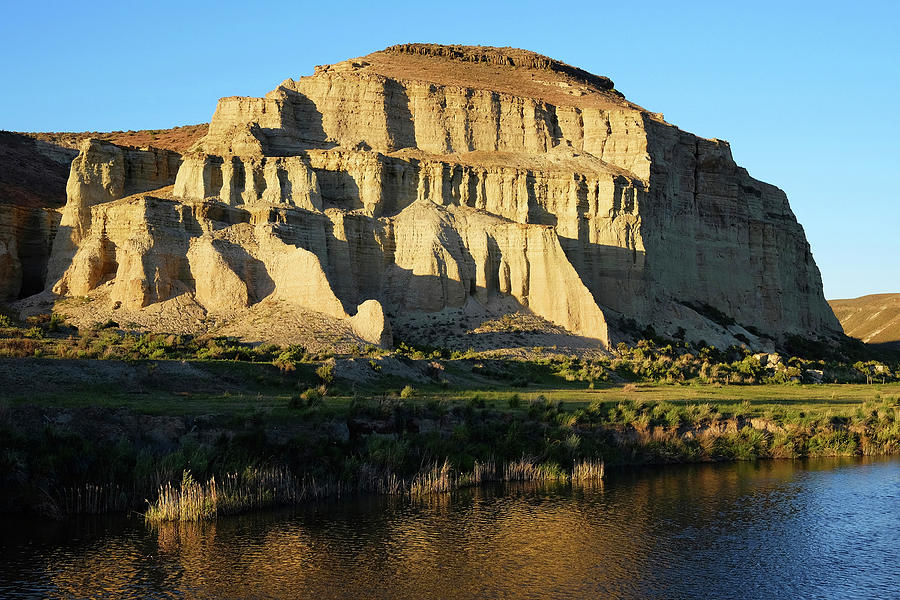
{"x":101,"y":173}
{"x":34,"y":168}
{"x":32,"y":190}
{"x":433,"y":179}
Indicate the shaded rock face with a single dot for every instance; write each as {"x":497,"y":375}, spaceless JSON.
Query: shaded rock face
{"x":32,"y":190}
{"x":25,"y":239}
{"x":425,"y":178}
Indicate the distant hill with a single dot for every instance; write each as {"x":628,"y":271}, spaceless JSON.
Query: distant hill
{"x":178,"y":139}
{"x":874,"y":319}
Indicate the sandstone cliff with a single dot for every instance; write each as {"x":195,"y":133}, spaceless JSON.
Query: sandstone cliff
{"x":458,"y":182}
{"x":34,"y":168}
{"x":32,"y":190}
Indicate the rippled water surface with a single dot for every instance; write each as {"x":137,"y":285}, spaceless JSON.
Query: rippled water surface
{"x":777,"y":529}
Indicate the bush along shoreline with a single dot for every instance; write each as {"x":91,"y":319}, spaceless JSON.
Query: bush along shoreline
{"x":57,"y":461}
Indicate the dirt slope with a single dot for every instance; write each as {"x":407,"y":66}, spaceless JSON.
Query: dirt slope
{"x":178,"y":139}
{"x":875,"y":319}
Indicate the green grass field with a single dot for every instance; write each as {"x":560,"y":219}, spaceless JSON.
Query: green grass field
{"x":761,"y":397}
{"x":266,"y":395}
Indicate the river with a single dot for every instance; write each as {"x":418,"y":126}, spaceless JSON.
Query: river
{"x":826,"y":528}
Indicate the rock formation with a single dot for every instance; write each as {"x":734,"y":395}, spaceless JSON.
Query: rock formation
{"x":33,"y":172}
{"x":441,"y":180}
{"x":32,"y":189}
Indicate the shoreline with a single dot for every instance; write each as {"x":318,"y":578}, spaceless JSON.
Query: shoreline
{"x":92,"y":459}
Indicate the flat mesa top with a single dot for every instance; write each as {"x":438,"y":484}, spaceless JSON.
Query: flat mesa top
{"x":506,"y":70}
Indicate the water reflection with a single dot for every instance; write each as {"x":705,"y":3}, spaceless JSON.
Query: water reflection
{"x":772,"y":529}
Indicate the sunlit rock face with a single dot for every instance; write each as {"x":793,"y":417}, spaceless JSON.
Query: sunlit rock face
{"x":423,"y":179}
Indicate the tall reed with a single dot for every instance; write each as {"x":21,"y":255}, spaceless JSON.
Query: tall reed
{"x":251,"y":489}
{"x":588,"y":470}
{"x":258,"y":488}
{"x":92,"y":499}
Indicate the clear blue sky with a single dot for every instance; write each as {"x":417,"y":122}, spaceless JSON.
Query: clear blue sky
{"x":806,"y":92}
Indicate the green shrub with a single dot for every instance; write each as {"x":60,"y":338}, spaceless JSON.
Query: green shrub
{"x":326,"y":373}
{"x":475,"y":402}
{"x":407,"y":392}
{"x":267,"y":352}
{"x":287,"y":360}
{"x":674,"y":417}
{"x":312,"y":397}
{"x":35,"y":333}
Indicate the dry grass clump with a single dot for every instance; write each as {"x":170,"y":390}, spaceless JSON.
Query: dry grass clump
{"x":588,"y":470}
{"x":19,"y":347}
{"x":192,"y":500}
{"x":252,"y":489}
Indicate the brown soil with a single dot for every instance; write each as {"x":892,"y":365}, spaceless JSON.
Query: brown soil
{"x":505,"y":70}
{"x":178,"y":139}
{"x":505,"y":57}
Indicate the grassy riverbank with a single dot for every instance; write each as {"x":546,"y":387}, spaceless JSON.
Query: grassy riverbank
{"x":199,"y":455}
{"x":180,"y":427}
